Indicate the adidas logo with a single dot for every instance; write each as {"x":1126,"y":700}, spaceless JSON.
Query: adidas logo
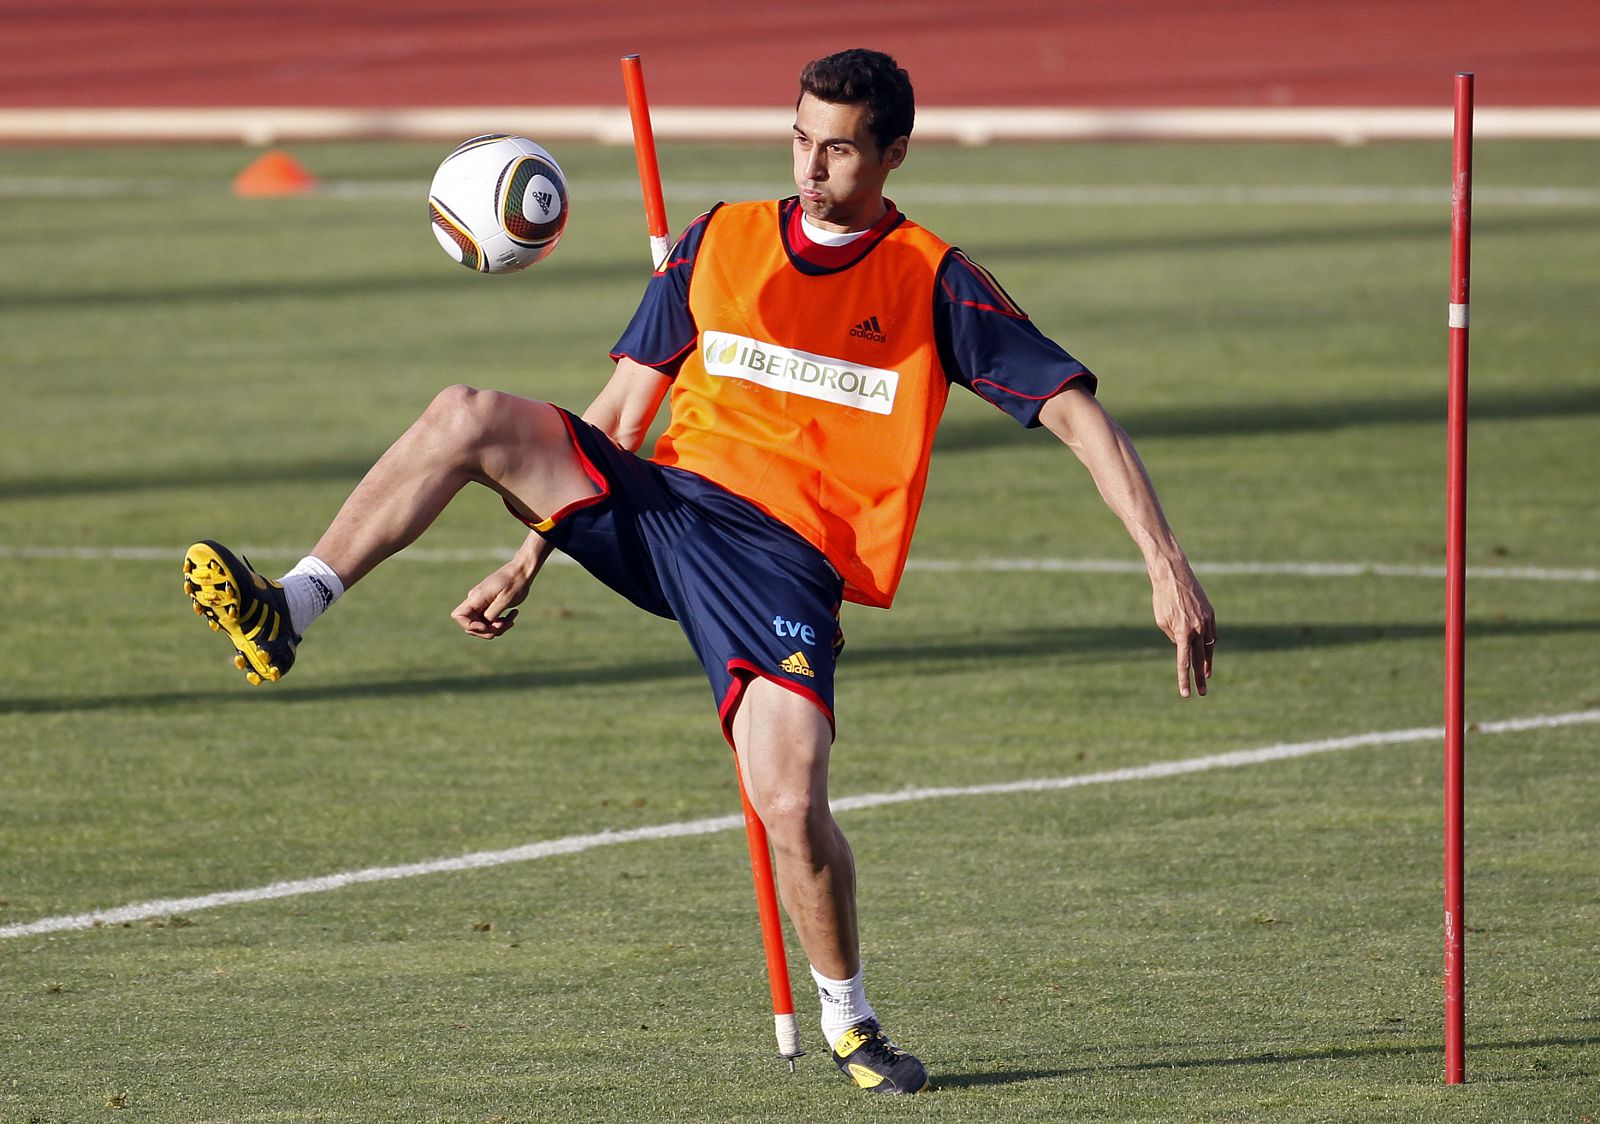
{"x":851,"y":1041}
{"x":324,"y":594}
{"x":797,"y":664}
{"x":869,"y":329}
{"x":545,"y":199}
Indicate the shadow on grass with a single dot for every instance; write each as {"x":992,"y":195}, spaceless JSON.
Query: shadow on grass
{"x":958,"y":435}
{"x":1058,"y":646}
{"x":528,"y":679}
{"x":211,"y":476}
{"x":1070,"y":644}
{"x":1277,"y":236}
{"x":437,"y":285}
{"x":1271,"y":1057}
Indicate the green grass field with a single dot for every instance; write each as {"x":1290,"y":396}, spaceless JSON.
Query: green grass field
{"x":1252,"y":943}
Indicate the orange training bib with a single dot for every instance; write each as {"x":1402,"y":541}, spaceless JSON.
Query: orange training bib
{"x":814,"y":395}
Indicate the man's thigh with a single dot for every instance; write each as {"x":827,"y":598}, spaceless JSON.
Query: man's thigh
{"x":783,"y":741}
{"x":526,"y":453}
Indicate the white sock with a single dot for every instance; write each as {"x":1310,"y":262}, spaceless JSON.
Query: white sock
{"x":310,"y":587}
{"x":844,"y":1004}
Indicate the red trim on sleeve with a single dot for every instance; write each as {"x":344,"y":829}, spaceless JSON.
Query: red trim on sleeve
{"x":673,"y":361}
{"x":1031,"y":397}
{"x":1004,"y":305}
{"x":1012,"y":311}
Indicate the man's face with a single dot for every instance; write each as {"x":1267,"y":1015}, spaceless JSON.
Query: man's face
{"x":838,"y":167}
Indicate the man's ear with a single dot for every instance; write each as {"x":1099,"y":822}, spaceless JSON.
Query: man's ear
{"x":895,"y":153}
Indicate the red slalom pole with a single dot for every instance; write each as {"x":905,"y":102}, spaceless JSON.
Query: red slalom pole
{"x":785,"y":1027}
{"x":784,"y":1024}
{"x":644,"y":150}
{"x":1455,"y":1007}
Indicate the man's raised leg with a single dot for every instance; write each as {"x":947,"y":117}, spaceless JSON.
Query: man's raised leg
{"x":518,"y":447}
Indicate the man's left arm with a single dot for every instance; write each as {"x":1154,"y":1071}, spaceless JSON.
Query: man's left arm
{"x":1181,"y":607}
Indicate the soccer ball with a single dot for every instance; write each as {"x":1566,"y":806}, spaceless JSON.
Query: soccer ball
{"x":498,"y":203}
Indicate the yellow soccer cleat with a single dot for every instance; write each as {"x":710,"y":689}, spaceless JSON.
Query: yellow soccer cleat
{"x":866,"y":1056}
{"x":252,"y":610}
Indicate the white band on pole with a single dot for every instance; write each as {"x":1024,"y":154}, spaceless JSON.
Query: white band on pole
{"x":660,"y":247}
{"x":788,"y":1033}
{"x":1459,"y":315}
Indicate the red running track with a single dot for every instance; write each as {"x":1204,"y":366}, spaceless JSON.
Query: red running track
{"x":1232,"y":53}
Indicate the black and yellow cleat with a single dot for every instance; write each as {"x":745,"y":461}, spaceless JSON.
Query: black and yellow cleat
{"x":252,"y":610}
{"x":866,"y":1056}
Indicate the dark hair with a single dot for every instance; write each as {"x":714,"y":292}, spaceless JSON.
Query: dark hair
{"x":869,"y":78}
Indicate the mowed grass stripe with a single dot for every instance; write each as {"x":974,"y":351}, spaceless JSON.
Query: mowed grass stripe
{"x":931,"y":565}
{"x":1023,"y":195}
{"x":575,"y":844}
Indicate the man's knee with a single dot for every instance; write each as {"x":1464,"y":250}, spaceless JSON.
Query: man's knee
{"x":467,"y":418}
{"x":463,"y":413}
{"x":798,"y":822}
{"x":455,"y":419}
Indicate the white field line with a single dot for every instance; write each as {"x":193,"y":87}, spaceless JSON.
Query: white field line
{"x":1283,"y":569}
{"x":1010,"y":195}
{"x":930,"y":565}
{"x":575,"y":844}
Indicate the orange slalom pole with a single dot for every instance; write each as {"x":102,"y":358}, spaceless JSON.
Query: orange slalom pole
{"x":785,"y":1026}
{"x":644,"y":150}
{"x":1455,"y":1019}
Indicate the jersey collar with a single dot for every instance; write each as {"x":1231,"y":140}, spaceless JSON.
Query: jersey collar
{"x":815,"y":259}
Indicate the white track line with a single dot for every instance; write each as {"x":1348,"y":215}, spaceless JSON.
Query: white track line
{"x":575,"y":844}
{"x":930,"y":565}
{"x":975,"y":125}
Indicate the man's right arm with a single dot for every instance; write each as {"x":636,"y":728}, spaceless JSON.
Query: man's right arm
{"x":627,"y":404}
{"x":1181,"y":608}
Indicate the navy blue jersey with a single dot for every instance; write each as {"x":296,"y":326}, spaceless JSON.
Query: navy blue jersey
{"x":986,"y":343}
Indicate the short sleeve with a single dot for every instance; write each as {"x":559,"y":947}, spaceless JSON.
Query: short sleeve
{"x":662,"y":331}
{"x":990,"y":346}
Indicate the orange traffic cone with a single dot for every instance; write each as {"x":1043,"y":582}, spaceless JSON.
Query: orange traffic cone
{"x":274,"y":173}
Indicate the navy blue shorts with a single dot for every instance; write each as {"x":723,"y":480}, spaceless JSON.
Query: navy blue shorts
{"x":753,"y":597}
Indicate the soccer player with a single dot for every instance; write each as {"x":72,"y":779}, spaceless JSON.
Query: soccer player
{"x":806,"y":347}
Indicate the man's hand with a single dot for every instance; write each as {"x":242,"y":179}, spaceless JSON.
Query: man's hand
{"x":1186,"y":616}
{"x":489,"y":609}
